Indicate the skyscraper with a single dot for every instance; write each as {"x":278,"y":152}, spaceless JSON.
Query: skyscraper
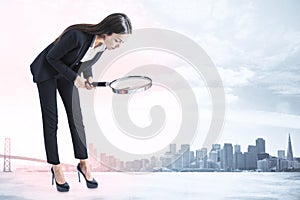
{"x":260,"y":145}
{"x":185,"y":151}
{"x":213,"y":156}
{"x":240,"y":161}
{"x":215,"y":147}
{"x":251,"y":158}
{"x":173,"y":148}
{"x":238,"y":158}
{"x":290,"y":150}
{"x":252,"y":149}
{"x":201,"y":157}
{"x":281,"y":154}
{"x":237,"y":148}
{"x":228,"y":157}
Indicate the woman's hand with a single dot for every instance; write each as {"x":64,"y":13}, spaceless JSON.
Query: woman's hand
{"x":79,"y":82}
{"x":89,"y":86}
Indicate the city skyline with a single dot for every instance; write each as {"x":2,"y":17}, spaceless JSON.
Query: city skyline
{"x":285,"y":148}
{"x":258,"y":149}
{"x":229,"y":162}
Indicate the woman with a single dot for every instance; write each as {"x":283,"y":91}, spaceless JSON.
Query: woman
{"x":58,"y":67}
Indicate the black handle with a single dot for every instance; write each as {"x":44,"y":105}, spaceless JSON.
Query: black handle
{"x":99,"y":84}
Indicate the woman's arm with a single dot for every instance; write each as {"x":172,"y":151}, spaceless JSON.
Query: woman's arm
{"x":68,"y":42}
{"x":87,"y":66}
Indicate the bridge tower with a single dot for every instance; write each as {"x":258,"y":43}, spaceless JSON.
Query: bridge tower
{"x":7,"y":166}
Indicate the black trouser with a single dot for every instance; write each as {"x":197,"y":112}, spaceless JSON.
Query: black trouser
{"x":70,"y":98}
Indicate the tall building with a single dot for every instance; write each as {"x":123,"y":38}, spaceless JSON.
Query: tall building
{"x":213,"y":156}
{"x":281,"y":154}
{"x":185,"y":151}
{"x":290,"y":150}
{"x":192,"y":156}
{"x":212,"y":162}
{"x":112,"y":161}
{"x":177,"y":161}
{"x":260,"y":145}
{"x":217,"y":148}
{"x":153,"y":161}
{"x":227,"y":157}
{"x":104,"y":162}
{"x":237,"y":148}
{"x":250,"y":161}
{"x":282,"y":164}
{"x":201,"y":158}
{"x":252,"y":149}
{"x":145,"y":163}
{"x":173,"y":149}
{"x":239,"y":161}
{"x":262,"y":156}
{"x":92,"y":152}
{"x":251,"y":158}
{"x":167,"y":160}
{"x":263,"y":165}
{"x":238,"y":158}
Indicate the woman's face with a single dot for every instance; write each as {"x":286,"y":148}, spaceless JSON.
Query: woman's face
{"x":114,"y":40}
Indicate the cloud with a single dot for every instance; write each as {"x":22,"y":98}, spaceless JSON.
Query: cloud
{"x":236,"y":77}
{"x":264,"y":118}
{"x":283,"y":107}
{"x":255,"y":38}
{"x":282,"y":81}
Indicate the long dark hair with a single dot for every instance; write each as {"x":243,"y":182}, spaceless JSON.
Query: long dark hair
{"x":117,"y":23}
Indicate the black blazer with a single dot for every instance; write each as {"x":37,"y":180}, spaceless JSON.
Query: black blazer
{"x":64,"y":58}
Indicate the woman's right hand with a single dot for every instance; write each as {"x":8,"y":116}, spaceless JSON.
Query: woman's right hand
{"x":79,"y":82}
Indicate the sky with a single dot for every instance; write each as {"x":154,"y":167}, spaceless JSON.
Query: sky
{"x":255,"y":46}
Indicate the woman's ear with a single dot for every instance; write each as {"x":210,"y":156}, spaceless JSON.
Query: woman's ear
{"x":105,"y":35}
{"x":102,"y":36}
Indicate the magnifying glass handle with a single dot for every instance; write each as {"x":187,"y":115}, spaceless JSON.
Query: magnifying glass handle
{"x":100,"y":84}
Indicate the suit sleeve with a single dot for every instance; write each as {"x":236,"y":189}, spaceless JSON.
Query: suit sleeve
{"x":88,"y":72}
{"x":67,"y":42}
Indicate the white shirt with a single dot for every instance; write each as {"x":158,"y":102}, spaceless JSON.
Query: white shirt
{"x":91,"y":52}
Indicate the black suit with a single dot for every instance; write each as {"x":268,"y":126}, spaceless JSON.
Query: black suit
{"x":56,"y":68}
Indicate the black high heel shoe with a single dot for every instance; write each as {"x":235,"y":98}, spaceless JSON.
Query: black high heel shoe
{"x":60,"y":187}
{"x":89,"y":184}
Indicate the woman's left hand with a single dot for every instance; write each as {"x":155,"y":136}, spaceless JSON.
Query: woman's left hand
{"x":89,"y":86}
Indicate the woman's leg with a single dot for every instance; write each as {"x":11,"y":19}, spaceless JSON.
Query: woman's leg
{"x":70,"y":97}
{"x":85,"y":167}
{"x":47,"y":94}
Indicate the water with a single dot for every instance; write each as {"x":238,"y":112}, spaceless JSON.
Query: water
{"x":153,"y":186}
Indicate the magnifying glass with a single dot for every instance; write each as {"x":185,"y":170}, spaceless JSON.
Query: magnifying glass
{"x":126,"y":85}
